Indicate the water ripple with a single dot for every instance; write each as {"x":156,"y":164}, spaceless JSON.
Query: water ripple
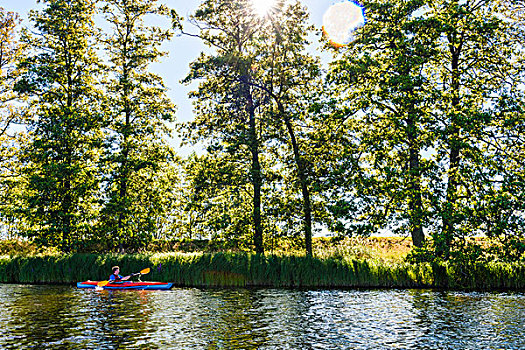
{"x":58,"y":317}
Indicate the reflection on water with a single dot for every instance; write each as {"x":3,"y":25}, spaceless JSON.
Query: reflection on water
{"x":60,"y":317}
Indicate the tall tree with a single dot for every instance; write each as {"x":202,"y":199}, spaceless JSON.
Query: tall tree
{"x":263,"y":64}
{"x":227,"y":103}
{"x":475,"y":75}
{"x":62,"y":68}
{"x":433,"y":107}
{"x":139,"y":112}
{"x":288,"y":73}
{"x":387,"y":107}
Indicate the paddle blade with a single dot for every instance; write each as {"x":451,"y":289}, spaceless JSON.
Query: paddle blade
{"x":102,"y":283}
{"x":145,"y":271}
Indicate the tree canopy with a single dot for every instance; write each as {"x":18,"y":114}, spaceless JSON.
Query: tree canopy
{"x":415,"y":127}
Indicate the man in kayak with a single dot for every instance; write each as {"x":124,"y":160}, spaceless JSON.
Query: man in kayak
{"x":115,"y":277}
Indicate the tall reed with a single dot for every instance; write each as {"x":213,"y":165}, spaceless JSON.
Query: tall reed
{"x":245,"y":270}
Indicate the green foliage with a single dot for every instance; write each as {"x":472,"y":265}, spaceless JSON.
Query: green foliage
{"x":433,"y":119}
{"x":11,"y":140}
{"x":11,"y":51}
{"x":61,"y":71}
{"x":251,"y":108}
{"x":476,"y":107}
{"x":138,"y":161}
{"x":288,"y":74}
{"x":470,"y":253}
{"x":214,"y":201}
{"x":227,"y":105}
{"x":383,"y":80}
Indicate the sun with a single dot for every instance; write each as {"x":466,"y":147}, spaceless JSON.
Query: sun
{"x":262,"y":7}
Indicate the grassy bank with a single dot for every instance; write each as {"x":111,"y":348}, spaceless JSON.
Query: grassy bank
{"x":387,"y":249}
{"x":240,"y":269}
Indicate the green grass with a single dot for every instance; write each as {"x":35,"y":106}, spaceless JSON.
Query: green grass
{"x":245,"y":270}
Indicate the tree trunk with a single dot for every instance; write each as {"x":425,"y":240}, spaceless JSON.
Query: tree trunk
{"x":124,"y":175}
{"x":124,"y":171}
{"x":415,"y":202}
{"x":454,"y":161}
{"x":303,"y":180}
{"x":67,"y":201}
{"x":450,"y":202}
{"x":255,"y":172}
{"x":122,"y":202}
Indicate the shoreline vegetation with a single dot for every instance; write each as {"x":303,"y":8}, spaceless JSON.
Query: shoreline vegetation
{"x":350,"y":263}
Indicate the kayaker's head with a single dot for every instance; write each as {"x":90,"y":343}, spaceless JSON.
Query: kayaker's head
{"x":115,"y":270}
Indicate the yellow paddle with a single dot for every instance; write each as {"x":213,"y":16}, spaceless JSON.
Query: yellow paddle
{"x":142,"y":272}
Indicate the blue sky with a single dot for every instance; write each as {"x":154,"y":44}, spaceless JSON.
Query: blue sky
{"x":181,"y":50}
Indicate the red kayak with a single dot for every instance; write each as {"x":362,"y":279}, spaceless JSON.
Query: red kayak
{"x":127,"y":285}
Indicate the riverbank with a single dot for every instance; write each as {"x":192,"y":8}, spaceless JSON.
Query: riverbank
{"x":250,"y":270}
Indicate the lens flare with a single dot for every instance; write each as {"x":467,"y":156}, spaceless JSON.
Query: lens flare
{"x":262,"y":7}
{"x":340,"y":21}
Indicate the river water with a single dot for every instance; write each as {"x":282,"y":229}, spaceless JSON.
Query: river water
{"x":64,"y":317}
